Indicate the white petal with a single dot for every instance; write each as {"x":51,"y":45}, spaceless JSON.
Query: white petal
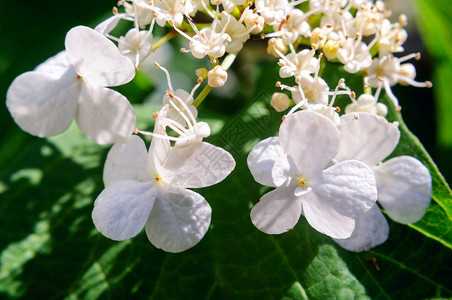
{"x":371,"y":230}
{"x":104,"y":115}
{"x":310,"y":139}
{"x":369,"y":139}
{"x":178,"y":221}
{"x":404,"y":188}
{"x":348,"y":186}
{"x":41,"y":104}
{"x":96,"y":58}
{"x":57,"y":66}
{"x":277,"y":211}
{"x":262,"y":158}
{"x":127,"y":160}
{"x":197,"y":164}
{"x":109,"y":24}
{"x":284,"y":169}
{"x":121,"y":210}
{"x":160,"y":147}
{"x":325,"y":219}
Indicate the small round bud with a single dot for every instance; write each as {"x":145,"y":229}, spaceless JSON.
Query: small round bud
{"x":280,"y":102}
{"x":203,"y":129}
{"x":217,"y":77}
{"x":318,"y":37}
{"x":330,"y":49}
{"x":381,"y":109}
{"x":276,"y":44}
{"x":407,"y":70}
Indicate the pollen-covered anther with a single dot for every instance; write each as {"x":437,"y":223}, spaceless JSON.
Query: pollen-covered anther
{"x":337,"y":108}
{"x":353,"y":95}
{"x":183,"y":50}
{"x":171,"y":22}
{"x":429,"y":84}
{"x":278,"y":84}
{"x":115,"y":11}
{"x":356,"y":116}
{"x":155,"y":115}
{"x":136,"y":131}
{"x":157,"y":64}
{"x":418,"y":56}
{"x":79,"y":77}
{"x":199,"y":80}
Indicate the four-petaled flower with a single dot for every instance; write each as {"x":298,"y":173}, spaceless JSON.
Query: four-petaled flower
{"x":148,"y":189}
{"x":404,"y":184}
{"x":72,"y":84}
{"x":294,"y":163}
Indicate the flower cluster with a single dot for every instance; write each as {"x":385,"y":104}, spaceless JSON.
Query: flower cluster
{"x":323,"y":165}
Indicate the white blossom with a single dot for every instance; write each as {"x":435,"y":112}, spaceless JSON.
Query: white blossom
{"x":294,"y":163}
{"x":403,"y":183}
{"x":148,"y":189}
{"x":71,"y":85}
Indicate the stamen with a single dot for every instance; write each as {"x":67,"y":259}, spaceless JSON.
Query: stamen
{"x":167,"y":75}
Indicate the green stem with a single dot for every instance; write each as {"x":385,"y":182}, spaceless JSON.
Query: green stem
{"x":164,"y":39}
{"x":227,"y":62}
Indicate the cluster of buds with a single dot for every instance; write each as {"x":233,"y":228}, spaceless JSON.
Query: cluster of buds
{"x":321,"y":165}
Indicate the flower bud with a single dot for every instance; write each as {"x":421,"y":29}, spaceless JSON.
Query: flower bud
{"x":330,"y":49}
{"x":280,"y":102}
{"x":276,"y":43}
{"x":217,"y":77}
{"x":407,"y":70}
{"x":252,"y":19}
{"x":318,"y":37}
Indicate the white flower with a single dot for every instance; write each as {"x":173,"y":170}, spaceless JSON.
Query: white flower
{"x":273,"y":11}
{"x":295,"y":26}
{"x":354,"y":54}
{"x":208,"y":41}
{"x":403,"y":183}
{"x":367,"y":103}
{"x":330,"y":199}
{"x":148,"y":189}
{"x":140,"y":10}
{"x":172,"y":10}
{"x":236,"y":30}
{"x":71,"y":85}
{"x":294,"y":64}
{"x":217,"y":77}
{"x":136,"y":45}
{"x":388,"y":71}
{"x":392,"y":37}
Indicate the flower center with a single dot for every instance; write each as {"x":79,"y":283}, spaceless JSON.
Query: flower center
{"x":158,"y":178}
